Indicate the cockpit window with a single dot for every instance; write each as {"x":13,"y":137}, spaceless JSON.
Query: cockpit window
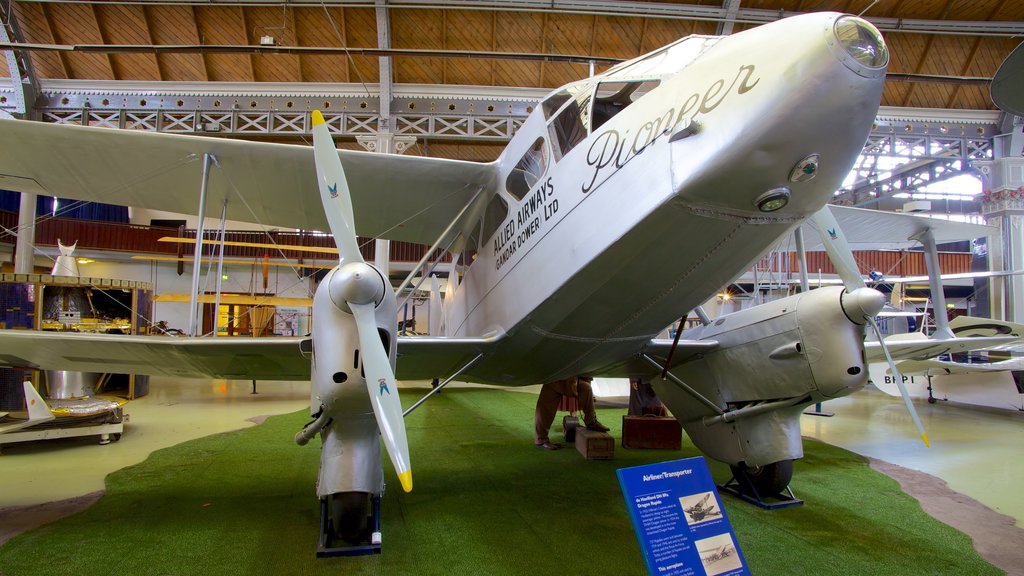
{"x":528,"y":171}
{"x":554,"y":102}
{"x":613,"y":97}
{"x":569,"y":127}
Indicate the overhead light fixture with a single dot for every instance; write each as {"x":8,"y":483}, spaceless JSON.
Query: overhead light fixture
{"x":84,"y":260}
{"x":772,"y":200}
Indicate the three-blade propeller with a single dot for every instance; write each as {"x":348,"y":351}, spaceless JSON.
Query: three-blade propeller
{"x":359,"y":290}
{"x":841,"y":255}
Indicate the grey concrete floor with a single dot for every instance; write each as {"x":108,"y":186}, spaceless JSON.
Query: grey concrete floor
{"x":978,"y":452}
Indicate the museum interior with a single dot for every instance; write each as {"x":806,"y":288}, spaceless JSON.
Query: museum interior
{"x":633,"y":287}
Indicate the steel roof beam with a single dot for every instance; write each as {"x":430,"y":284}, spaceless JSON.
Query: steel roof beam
{"x":23,"y":75}
{"x":615,"y":8}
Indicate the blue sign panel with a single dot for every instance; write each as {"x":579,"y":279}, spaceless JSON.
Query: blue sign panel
{"x":679,"y":520}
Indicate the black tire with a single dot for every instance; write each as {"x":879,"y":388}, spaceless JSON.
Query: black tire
{"x":348,"y":512}
{"x":770,"y":479}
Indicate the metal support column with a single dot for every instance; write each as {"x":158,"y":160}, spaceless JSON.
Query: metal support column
{"x":194,"y":307}
{"x":24,"y":251}
{"x":220,"y":272}
{"x":801,"y":253}
{"x":931,"y":254}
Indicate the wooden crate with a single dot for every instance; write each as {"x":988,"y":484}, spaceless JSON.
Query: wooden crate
{"x":653,"y":432}
{"x":595,"y":445}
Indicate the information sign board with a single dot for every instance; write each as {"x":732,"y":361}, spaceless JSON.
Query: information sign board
{"x":678,"y":518}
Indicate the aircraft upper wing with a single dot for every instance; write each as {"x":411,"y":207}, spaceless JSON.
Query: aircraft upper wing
{"x":918,"y":347}
{"x":893,"y":229}
{"x":396,"y":197}
{"x":237,"y":358}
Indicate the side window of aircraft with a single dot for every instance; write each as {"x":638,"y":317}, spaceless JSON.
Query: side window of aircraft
{"x":528,"y":171}
{"x":494,"y":215}
{"x":569,"y":127}
{"x":613,"y":97}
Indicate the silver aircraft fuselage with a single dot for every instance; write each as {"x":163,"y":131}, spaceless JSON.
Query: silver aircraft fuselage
{"x":654,"y":211}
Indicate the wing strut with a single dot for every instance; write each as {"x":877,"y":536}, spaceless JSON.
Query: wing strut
{"x":685,"y":387}
{"x":458,"y":372}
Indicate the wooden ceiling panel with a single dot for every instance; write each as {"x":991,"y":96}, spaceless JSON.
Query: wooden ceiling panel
{"x":314,"y":27}
{"x":418,"y":29}
{"x":905,"y":52}
{"x":894,"y":93}
{"x":361,"y":31}
{"x":76,"y":24}
{"x":522,"y":32}
{"x":932,"y":95}
{"x":566,"y":34}
{"x":468,"y":30}
{"x":176,"y":25}
{"x":224,"y":25}
{"x":618,"y":37}
{"x":926,"y":9}
{"x":658,"y":33}
{"x":122,"y":24}
{"x":35,"y":28}
{"x":277,"y":22}
{"x":476,"y":152}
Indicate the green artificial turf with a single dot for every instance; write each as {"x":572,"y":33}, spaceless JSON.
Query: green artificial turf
{"x":485,"y":501}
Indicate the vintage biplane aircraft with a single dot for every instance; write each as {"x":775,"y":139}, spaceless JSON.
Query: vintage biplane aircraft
{"x":702,"y":511}
{"x":625,"y":200}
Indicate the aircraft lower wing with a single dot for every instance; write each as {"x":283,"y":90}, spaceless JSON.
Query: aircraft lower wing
{"x":234,"y":358}
{"x":944,"y":367}
{"x":406,"y":198}
{"x":658,"y":350}
{"x":918,"y":347}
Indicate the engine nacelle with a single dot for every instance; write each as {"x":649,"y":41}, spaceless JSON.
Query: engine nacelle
{"x":794,"y":352}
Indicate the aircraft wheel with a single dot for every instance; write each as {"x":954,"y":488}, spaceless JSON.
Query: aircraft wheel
{"x":349,"y":511}
{"x":769,"y":479}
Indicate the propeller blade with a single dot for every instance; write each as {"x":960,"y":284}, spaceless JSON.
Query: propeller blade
{"x":838,"y":249}
{"x":899,"y":382}
{"x":334,"y":191}
{"x":380,"y":383}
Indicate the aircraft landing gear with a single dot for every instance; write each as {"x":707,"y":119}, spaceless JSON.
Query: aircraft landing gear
{"x":349,"y":525}
{"x":756,"y":483}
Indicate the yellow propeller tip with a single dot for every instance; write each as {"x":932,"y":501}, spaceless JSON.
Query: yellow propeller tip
{"x":926,"y":443}
{"x":406,"y":479}
{"x":318,"y":118}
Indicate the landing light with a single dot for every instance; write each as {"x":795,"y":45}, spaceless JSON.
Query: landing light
{"x":772,"y":200}
{"x":862,"y":41}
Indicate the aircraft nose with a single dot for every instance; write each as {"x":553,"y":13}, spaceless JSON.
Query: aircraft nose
{"x":859,"y":46}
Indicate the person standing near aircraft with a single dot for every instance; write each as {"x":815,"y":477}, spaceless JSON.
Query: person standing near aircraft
{"x":547,"y":405}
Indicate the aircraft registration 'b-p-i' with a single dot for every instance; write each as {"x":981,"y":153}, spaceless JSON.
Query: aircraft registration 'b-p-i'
{"x":624,"y":201}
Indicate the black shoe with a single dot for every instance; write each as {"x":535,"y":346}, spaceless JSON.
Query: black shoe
{"x":549,"y":446}
{"x":597,"y":427}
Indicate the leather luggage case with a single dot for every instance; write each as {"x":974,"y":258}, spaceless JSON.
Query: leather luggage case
{"x":595,"y":445}
{"x":656,"y":432}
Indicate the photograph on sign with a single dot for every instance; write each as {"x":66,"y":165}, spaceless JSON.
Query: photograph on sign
{"x":718,"y":554}
{"x":700,"y":507}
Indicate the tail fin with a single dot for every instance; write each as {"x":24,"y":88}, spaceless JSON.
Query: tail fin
{"x":38,"y":410}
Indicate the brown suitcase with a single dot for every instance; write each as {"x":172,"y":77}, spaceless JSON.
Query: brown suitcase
{"x":595,"y":445}
{"x":656,"y":432}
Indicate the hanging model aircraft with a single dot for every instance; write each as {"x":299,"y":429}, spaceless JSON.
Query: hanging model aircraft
{"x":624,"y":200}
